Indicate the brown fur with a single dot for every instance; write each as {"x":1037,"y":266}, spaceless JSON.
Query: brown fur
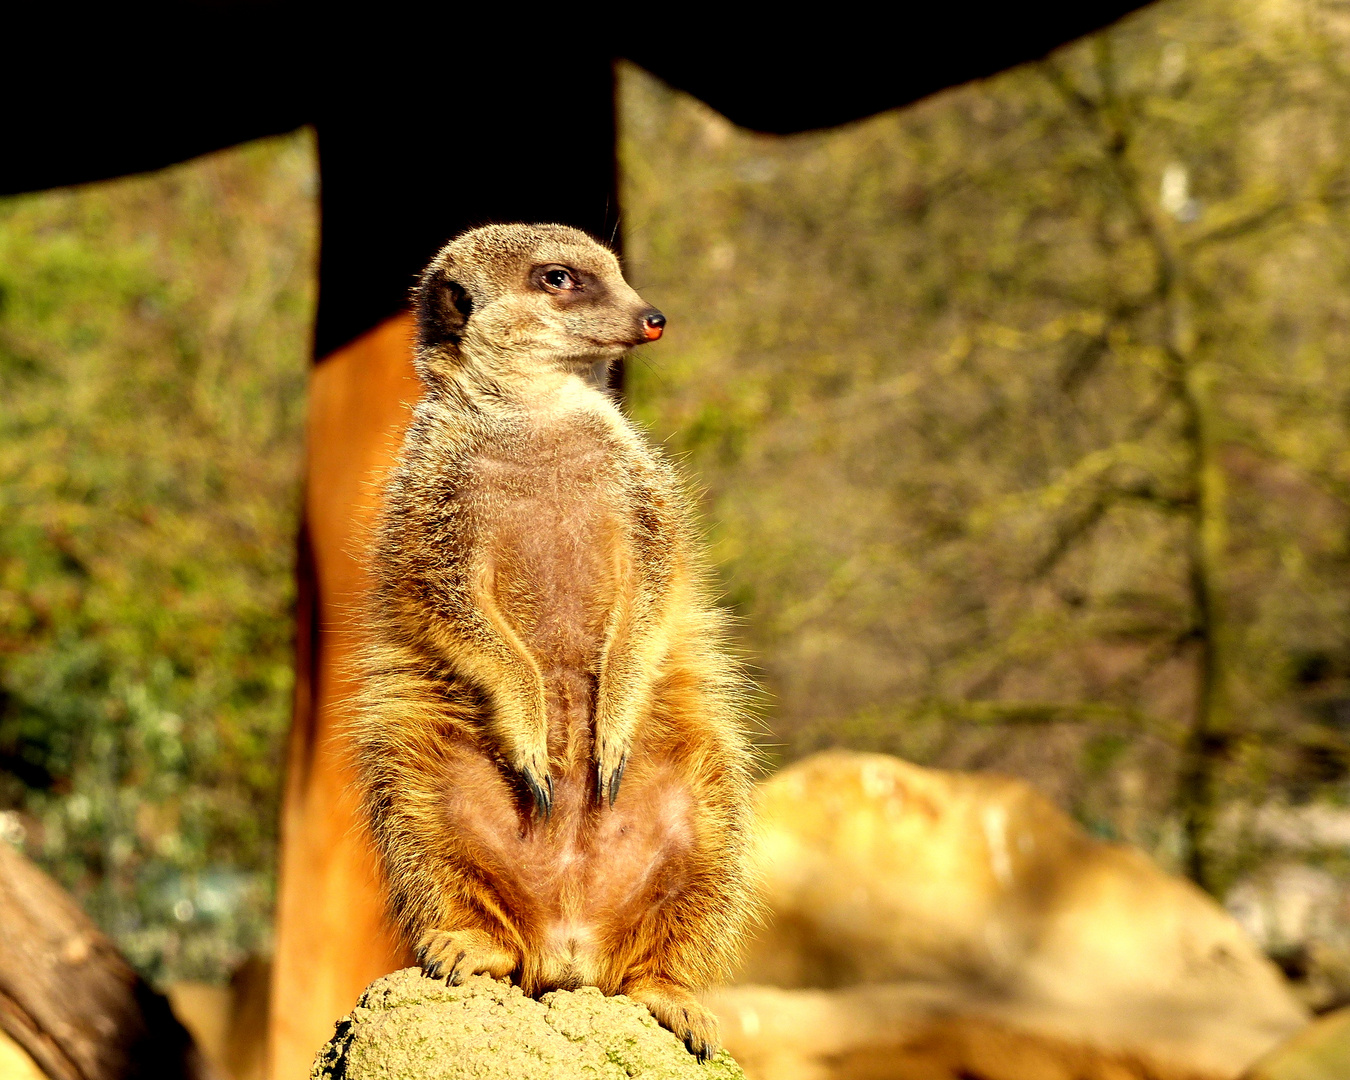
{"x":550,"y":741}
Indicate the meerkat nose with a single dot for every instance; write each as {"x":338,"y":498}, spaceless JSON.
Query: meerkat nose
{"x":652,"y":325}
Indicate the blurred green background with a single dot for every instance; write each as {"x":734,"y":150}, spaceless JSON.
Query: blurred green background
{"x":1022,"y":414}
{"x":153,"y":359}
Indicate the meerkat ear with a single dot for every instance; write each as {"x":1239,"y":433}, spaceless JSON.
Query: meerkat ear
{"x":443,"y":308}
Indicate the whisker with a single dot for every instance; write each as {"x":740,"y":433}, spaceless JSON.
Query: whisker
{"x":655,"y":371}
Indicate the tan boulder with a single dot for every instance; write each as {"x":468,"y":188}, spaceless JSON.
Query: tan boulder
{"x":978,"y":901}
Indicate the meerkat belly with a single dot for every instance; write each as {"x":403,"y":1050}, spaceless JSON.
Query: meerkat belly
{"x":580,"y":884}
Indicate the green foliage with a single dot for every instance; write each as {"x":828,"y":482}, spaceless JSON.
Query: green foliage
{"x":153,"y":354}
{"x":1023,"y":413}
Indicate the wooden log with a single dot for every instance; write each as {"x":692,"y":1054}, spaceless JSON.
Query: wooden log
{"x":70,"y":999}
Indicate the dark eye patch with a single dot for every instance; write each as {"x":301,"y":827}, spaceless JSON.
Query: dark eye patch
{"x":569,"y":284}
{"x":556,"y":278}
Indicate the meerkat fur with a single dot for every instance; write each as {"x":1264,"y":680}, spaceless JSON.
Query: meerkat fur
{"x":551,"y":744}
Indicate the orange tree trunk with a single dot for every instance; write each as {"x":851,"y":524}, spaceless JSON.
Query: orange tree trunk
{"x":331,"y":936}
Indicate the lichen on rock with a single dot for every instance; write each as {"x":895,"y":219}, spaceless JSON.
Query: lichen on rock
{"x":407,"y":1026}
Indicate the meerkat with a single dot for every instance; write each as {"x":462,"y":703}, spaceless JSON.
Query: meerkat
{"x":551,"y":746}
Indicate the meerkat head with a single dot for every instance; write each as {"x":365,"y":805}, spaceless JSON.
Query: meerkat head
{"x":527,"y":299}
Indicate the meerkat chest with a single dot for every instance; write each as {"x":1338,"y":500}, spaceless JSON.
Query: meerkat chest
{"x":553,"y":529}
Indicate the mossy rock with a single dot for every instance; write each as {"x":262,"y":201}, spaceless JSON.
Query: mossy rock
{"x":409,"y":1027}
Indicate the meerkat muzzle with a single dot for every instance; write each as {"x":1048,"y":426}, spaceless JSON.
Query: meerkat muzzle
{"x":653,"y":325}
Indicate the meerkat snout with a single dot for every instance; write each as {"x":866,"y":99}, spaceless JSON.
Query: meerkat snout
{"x":525,"y":299}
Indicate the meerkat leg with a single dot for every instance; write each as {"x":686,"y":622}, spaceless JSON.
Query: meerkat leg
{"x":625,"y":682}
{"x":690,"y":938}
{"x":521,"y":722}
{"x":677,"y":1009}
{"x":696,"y":946}
{"x":618,"y":704}
{"x":487,"y":650}
{"x":455,"y":954}
{"x":636,"y":642}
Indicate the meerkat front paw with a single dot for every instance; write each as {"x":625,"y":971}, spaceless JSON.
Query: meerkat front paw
{"x":539,"y":783}
{"x":531,"y":766}
{"x":610,"y":763}
{"x":677,"y":1009}
{"x":453,"y":955}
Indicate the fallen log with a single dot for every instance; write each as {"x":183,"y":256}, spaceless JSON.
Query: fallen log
{"x":70,"y":1000}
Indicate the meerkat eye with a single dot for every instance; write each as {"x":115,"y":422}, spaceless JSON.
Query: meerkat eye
{"x":558,"y":279}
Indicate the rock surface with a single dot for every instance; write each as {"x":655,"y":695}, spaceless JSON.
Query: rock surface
{"x":409,"y":1027}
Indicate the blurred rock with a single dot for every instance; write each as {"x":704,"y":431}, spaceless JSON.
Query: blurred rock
{"x":907,"y":1031}
{"x":910,"y":1030}
{"x":409,"y":1027}
{"x":983,"y":905}
{"x":1321,"y":1051}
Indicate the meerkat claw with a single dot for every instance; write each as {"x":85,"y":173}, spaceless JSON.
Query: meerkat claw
{"x":454,"y":955}
{"x":543,"y":799}
{"x":607,"y":789}
{"x":452,"y":974}
{"x":677,"y":1010}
